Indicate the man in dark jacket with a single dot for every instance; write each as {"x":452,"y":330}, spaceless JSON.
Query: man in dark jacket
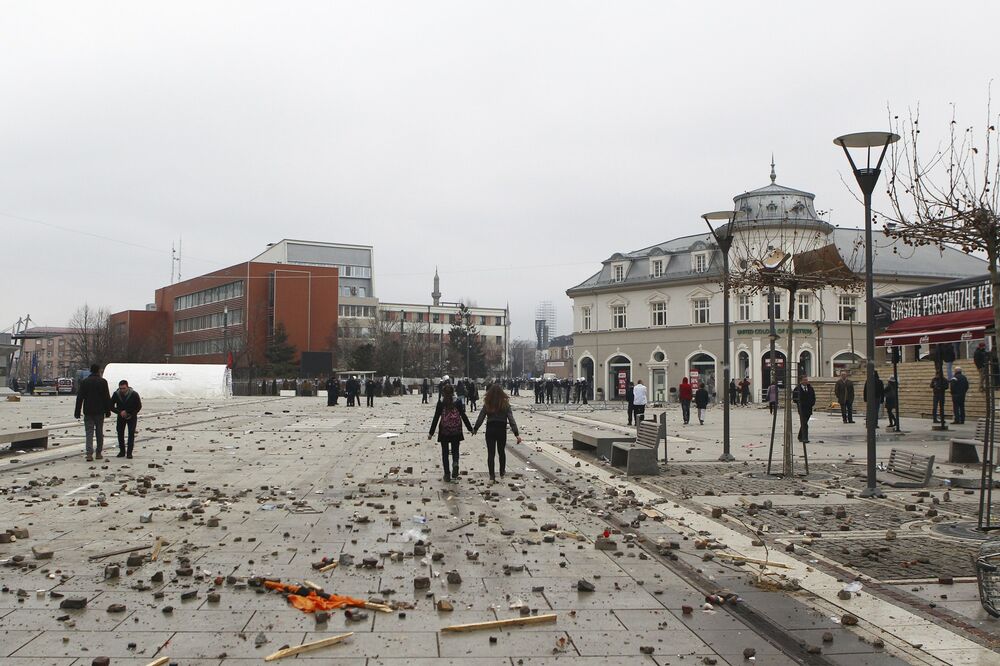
{"x":630,"y":398}
{"x":959,"y":387}
{"x":126,"y":404}
{"x":370,"y":392}
{"x":332,"y":391}
{"x":981,"y":358}
{"x":844,"y":390}
{"x":804,"y":396}
{"x":94,"y":400}
{"x":877,"y":395}
{"x":425,"y":389}
{"x":892,"y":402}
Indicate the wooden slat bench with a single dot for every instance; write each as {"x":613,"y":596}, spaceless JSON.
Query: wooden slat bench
{"x":600,"y":441}
{"x":26,"y":439}
{"x":910,"y":470}
{"x":640,"y":456}
{"x":964,"y":450}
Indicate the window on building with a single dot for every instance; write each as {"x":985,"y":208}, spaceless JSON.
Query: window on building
{"x":619,"y":273}
{"x":744,"y":307}
{"x":657,"y":268}
{"x":436,"y":318}
{"x":775,"y":305}
{"x":700,"y":314}
{"x":586,"y":319}
{"x":847,"y":307}
{"x":205,"y":322}
{"x":499,"y":339}
{"x":805,"y":306}
{"x":618,"y":316}
{"x":659,"y":313}
{"x":700,"y":263}
{"x":482,"y":320}
{"x":498,"y":321}
{"x":223,"y":292}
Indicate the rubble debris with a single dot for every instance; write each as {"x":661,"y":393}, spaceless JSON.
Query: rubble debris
{"x":308,"y":647}
{"x":584,"y":586}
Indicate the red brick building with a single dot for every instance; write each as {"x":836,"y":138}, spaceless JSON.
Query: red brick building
{"x":237,"y":309}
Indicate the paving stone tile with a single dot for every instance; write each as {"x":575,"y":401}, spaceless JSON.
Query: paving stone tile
{"x":510,"y":643}
{"x":11,"y":640}
{"x":381,"y":644}
{"x":89,"y":643}
{"x":627,"y":643}
{"x":94,"y":619}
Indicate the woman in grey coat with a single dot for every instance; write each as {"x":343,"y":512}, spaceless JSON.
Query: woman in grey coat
{"x":497,"y":413}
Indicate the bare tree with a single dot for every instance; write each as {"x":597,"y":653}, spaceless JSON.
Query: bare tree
{"x":946,"y":194}
{"x":93,"y":340}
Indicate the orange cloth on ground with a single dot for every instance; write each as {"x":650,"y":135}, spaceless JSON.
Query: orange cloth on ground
{"x":313,"y":602}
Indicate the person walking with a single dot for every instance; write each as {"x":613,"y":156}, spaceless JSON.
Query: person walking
{"x":844,"y":390}
{"x":94,"y":400}
{"x":981,"y":358}
{"x":630,"y":399}
{"x":639,"y":399}
{"x":734,"y":392}
{"x":684,"y":394}
{"x":959,"y":386}
{"x":497,"y":413}
{"x":126,"y":404}
{"x":804,"y":396}
{"x":473,"y":392}
{"x":745,"y":392}
{"x":701,"y":402}
{"x":460,"y":388}
{"x":425,"y":389}
{"x":938,"y":386}
{"x":370,"y":393}
{"x":878,"y":395}
{"x":451,"y":415}
{"x":772,"y":398}
{"x":332,"y":390}
{"x":892,"y":402}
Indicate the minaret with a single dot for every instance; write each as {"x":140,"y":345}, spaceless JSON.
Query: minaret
{"x":436,"y":294}
{"x":774,"y":176}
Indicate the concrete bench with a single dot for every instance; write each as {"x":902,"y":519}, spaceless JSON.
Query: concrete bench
{"x":26,"y":439}
{"x":964,"y":450}
{"x":598,"y":441}
{"x":910,"y":470}
{"x":640,"y":456}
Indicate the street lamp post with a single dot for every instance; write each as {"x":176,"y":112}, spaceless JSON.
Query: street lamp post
{"x":725,"y":243}
{"x":402,"y":318}
{"x":225,"y":333}
{"x":867,"y":177}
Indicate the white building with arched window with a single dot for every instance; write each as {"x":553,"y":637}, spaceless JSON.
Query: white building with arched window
{"x":656,"y":313}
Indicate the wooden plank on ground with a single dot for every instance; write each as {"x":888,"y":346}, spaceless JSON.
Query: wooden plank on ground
{"x":511,"y":622}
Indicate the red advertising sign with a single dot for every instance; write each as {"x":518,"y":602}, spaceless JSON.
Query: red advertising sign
{"x":622,"y":382}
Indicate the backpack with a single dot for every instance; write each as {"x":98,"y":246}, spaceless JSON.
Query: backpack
{"x":451,"y":422}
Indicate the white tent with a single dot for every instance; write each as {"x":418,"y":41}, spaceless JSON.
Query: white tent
{"x":174,"y":380}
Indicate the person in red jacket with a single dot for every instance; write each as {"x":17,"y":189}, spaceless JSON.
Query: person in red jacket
{"x":684,"y":394}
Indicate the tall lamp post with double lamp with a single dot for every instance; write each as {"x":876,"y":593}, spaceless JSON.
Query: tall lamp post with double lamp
{"x":725,"y":241}
{"x":867,"y":177}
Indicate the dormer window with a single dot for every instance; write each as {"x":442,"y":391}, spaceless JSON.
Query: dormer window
{"x":699,"y":262}
{"x":656,"y":268}
{"x":618,"y":273}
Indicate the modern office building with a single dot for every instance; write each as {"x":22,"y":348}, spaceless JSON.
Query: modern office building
{"x":656,"y":313}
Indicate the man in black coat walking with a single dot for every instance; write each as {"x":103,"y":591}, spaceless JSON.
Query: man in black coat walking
{"x":126,"y":404}
{"x":332,"y":391}
{"x":959,"y":387}
{"x":94,"y":400}
{"x":370,"y":393}
{"x":804,"y":396}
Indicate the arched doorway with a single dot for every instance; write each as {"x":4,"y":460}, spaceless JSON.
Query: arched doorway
{"x":765,"y":368}
{"x":805,"y":363}
{"x":742,"y":365}
{"x":844,"y":361}
{"x":701,"y":371}
{"x":619,"y":375}
{"x":587,"y":372}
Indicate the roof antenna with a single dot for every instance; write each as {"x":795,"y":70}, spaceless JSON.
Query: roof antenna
{"x":773,"y":175}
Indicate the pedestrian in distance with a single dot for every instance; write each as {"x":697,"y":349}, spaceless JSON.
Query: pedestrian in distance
{"x":772,"y":398}
{"x":734,"y":392}
{"x":370,"y":393}
{"x":126,"y":404}
{"x":804,"y":396}
{"x":473,"y":392}
{"x":332,"y":391}
{"x":450,"y":414}
{"x":946,"y":355}
{"x":844,"y":391}
{"x":701,"y":398}
{"x":981,"y":359}
{"x":684,"y":394}
{"x":639,"y":400}
{"x":959,"y":386}
{"x":877,"y":395}
{"x":93,"y":400}
{"x":745,"y":392}
{"x":938,"y":387}
{"x":460,"y":389}
{"x":892,"y":402}
{"x":630,"y":399}
{"x":425,"y":389}
{"x":567,"y":388}
{"x":497,"y":413}
{"x":549,"y":390}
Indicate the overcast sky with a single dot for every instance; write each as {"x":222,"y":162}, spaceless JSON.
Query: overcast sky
{"x":514,"y":144}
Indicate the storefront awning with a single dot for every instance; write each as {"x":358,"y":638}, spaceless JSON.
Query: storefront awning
{"x":951,"y":327}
